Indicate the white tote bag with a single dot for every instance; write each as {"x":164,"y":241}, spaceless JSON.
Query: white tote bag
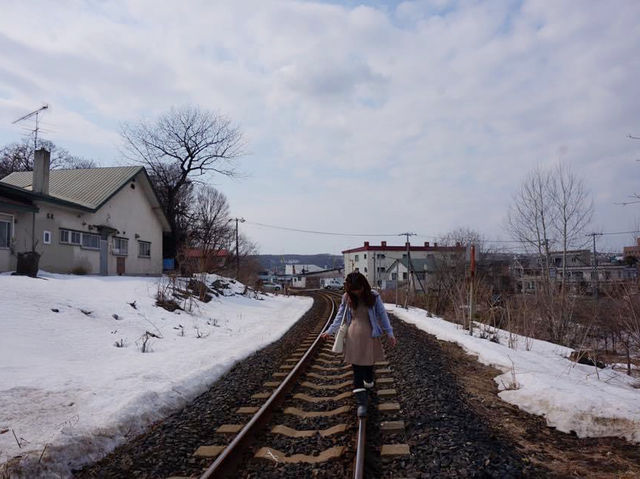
{"x":341,"y":335}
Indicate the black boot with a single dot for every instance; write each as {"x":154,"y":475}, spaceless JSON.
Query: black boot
{"x":361,"y":401}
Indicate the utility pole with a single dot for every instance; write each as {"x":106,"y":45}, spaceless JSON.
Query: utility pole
{"x":472,"y":274}
{"x":406,"y":299}
{"x":241,"y":220}
{"x":596,"y":286}
{"x":375,"y":284}
{"x":397,"y":279}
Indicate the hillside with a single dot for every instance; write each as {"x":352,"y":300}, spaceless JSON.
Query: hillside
{"x":274,"y":262}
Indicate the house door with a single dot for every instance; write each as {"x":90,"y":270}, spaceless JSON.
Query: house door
{"x":120,"y":265}
{"x":104,"y":257}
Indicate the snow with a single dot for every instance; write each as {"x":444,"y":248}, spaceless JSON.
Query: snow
{"x":65,"y":385}
{"x":570,"y":396}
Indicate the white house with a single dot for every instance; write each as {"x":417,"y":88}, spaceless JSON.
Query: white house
{"x":91,"y":221}
{"x":376,"y":261}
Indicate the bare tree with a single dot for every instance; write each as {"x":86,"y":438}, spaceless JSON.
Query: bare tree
{"x":19,"y":157}
{"x":573,"y":211}
{"x":531,"y":215}
{"x":181,"y":146}
{"x":463,"y":236}
{"x":210,"y":230}
{"x":552,"y":209}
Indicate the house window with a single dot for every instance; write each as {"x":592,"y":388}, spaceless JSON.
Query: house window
{"x":380,"y":256}
{"x":70,"y":237}
{"x":120,"y":246}
{"x":365,"y":256}
{"x":46,"y":237}
{"x":365,"y":269}
{"x":404,"y":275}
{"x":357,"y":258}
{"x":5,"y":233}
{"x":90,"y":241}
{"x":144,"y":249}
{"x":394,"y":276}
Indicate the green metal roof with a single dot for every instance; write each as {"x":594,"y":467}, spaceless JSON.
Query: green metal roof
{"x":89,"y":188}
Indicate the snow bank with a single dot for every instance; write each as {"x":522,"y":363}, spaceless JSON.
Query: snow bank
{"x":65,"y":385}
{"x":571,"y":396}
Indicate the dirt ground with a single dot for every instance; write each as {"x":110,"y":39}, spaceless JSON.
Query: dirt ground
{"x":564,"y":455}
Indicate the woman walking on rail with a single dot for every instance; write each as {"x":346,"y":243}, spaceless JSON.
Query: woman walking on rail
{"x":364,"y":313}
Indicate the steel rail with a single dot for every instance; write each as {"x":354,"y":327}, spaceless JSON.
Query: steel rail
{"x":358,"y":470}
{"x":229,"y":456}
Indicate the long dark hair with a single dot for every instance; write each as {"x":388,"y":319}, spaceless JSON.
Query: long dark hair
{"x":355,"y":281}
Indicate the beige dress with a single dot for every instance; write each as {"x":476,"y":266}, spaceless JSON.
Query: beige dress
{"x":359,"y":347}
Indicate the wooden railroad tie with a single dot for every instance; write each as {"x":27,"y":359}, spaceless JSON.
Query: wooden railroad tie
{"x":229,"y":428}
{"x":328,"y":377}
{"x":261,"y":395}
{"x":384,"y":380}
{"x":392,"y":426}
{"x":294,"y":411}
{"x":279,"y":457}
{"x":387,"y":392}
{"x":394,"y":450}
{"x":247,"y":410}
{"x":209,"y":451}
{"x":322,"y":368}
{"x":308,"y":384}
{"x":328,"y":361}
{"x":287,"y":431}
{"x":316,"y":399}
{"x":388,"y":407}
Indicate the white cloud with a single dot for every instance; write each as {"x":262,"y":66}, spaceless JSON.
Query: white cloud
{"x":421,"y":117}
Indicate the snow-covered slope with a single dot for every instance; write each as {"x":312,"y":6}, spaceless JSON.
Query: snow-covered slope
{"x":64,"y":383}
{"x":540,"y":379}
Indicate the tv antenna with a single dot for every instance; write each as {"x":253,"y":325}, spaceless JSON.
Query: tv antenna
{"x":35,"y":131}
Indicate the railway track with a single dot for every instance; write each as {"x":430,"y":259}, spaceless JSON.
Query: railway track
{"x":301,"y":424}
{"x":291,"y":417}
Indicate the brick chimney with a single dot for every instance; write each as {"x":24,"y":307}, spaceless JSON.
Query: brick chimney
{"x":426,"y":244}
{"x":384,"y":243}
{"x":435,"y":245}
{"x":366,"y":244}
{"x":41,"y":165}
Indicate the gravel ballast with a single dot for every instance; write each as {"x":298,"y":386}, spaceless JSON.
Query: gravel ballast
{"x":446,"y":438}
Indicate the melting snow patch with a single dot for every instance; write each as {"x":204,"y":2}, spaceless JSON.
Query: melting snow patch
{"x":539,"y":378}
{"x":76,"y":385}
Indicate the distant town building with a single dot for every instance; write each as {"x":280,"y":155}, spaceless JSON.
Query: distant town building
{"x":582,"y":275}
{"x":383,"y":265}
{"x":632,"y":251}
{"x":315,"y":279}
{"x":296,"y":268}
{"x":197,"y":260}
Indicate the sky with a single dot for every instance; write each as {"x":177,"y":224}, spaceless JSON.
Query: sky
{"x":370,"y":119}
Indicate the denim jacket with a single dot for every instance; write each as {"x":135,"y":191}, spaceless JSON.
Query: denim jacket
{"x":377,"y":317}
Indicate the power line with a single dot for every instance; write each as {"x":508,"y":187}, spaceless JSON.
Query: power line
{"x":336,"y":233}
{"x":329,"y":233}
